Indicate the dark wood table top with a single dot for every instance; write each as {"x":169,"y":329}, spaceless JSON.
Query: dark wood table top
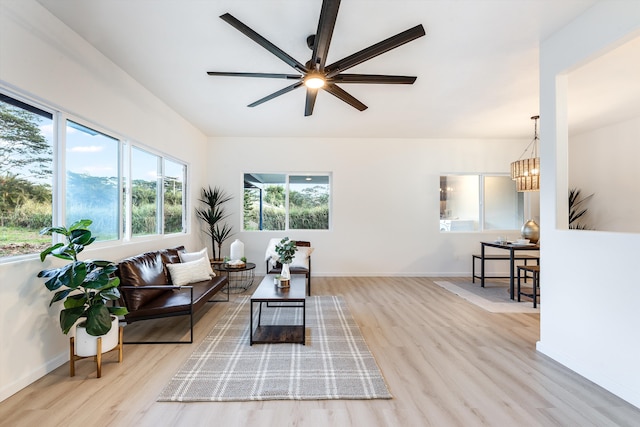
{"x":226,"y":267}
{"x":269,"y":291}
{"x":512,"y":245}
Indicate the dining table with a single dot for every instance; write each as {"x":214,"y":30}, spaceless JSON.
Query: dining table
{"x":512,"y":247}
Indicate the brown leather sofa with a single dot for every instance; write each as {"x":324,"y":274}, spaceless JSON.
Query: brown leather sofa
{"x":147,"y":292}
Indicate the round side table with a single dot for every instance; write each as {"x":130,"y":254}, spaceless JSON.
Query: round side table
{"x":240,"y":278}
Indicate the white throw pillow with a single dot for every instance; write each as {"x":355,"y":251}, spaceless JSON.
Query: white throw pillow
{"x":193,"y":256}
{"x":301,"y":258}
{"x":271,"y":249}
{"x":183,"y":273}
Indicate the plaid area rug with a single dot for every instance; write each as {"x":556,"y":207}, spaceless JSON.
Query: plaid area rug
{"x":335,"y":363}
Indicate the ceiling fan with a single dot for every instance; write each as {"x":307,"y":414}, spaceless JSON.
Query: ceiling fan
{"x":315,"y":74}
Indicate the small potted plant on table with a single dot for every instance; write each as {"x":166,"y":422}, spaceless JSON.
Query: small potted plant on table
{"x":286,"y":250}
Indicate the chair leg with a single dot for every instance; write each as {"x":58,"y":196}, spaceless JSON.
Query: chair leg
{"x":519,"y":270}
{"x":536,"y":283}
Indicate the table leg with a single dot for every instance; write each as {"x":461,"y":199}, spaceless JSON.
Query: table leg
{"x":251,"y":325}
{"x":511,"y":272}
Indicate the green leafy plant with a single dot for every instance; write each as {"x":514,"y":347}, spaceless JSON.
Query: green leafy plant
{"x":576,"y":209}
{"x":286,"y":250}
{"x":85,"y":286}
{"x":212,"y":215}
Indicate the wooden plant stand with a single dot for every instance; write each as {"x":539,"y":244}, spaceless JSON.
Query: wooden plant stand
{"x":97,"y":357}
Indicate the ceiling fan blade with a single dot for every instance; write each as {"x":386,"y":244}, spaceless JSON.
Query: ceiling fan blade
{"x":265,"y":75}
{"x":230,"y":19}
{"x":326,"y":23}
{"x":343,"y":95}
{"x":310,"y":101}
{"x":275,"y":94}
{"x":373,"y":79}
{"x":375,"y":50}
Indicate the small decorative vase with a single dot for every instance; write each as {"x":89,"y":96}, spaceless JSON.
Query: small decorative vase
{"x":285,"y":274}
{"x":236,"y":250}
{"x":531,"y":230}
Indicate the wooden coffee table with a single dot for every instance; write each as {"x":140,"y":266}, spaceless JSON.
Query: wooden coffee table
{"x":269,"y":296}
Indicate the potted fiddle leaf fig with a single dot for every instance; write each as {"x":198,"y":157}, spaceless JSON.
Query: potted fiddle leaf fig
{"x":85,"y":287}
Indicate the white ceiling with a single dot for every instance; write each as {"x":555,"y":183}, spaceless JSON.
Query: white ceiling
{"x":477,"y":67}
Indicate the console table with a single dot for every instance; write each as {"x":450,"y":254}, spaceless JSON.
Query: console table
{"x":512,"y":248}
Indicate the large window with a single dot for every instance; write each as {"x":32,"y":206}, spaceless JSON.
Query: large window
{"x":286,"y":201}
{"x":92,"y":163}
{"x":26,"y":165}
{"x":126,"y":191}
{"x":479,"y":203}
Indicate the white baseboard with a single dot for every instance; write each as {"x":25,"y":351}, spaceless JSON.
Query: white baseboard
{"x":8,"y":390}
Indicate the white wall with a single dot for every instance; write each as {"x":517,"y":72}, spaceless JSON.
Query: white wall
{"x":40,"y":56}
{"x":385,"y":202}
{"x":589,"y":319}
{"x":604,"y":162}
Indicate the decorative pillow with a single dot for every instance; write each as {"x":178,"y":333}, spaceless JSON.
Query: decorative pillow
{"x":183,"y":273}
{"x":193,"y":256}
{"x":271,"y":249}
{"x":301,"y":258}
{"x":271,"y":255}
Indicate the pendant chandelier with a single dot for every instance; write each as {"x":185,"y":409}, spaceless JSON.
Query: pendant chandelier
{"x":526,"y":172}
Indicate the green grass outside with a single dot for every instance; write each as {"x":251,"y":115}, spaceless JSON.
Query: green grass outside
{"x":19,"y":241}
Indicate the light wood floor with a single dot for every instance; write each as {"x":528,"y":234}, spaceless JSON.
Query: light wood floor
{"x":447,"y":363}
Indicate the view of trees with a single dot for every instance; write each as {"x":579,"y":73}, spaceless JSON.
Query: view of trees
{"x":308,"y":208}
{"x":25,"y":180}
{"x":26,"y":170}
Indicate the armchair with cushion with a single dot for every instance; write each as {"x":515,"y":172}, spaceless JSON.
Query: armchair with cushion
{"x":301,"y":263}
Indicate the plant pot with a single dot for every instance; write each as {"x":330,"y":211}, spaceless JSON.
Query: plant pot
{"x":86,"y":345}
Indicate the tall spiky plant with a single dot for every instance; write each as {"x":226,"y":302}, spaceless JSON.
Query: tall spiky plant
{"x":576,"y":211}
{"x":212,"y":215}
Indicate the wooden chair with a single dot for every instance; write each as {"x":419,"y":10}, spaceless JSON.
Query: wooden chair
{"x":277,"y":269}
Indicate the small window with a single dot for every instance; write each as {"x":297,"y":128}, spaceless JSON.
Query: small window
{"x":479,"y":203}
{"x":286,"y":201}
{"x":173,"y":197}
{"x":144,"y":192}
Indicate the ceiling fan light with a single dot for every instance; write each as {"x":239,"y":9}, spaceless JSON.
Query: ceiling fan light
{"x":314,"y":81}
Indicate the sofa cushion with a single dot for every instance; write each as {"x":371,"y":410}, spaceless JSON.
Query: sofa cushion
{"x":193,"y":256}
{"x":142,"y":270}
{"x":183,"y":273}
{"x":301,"y":257}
